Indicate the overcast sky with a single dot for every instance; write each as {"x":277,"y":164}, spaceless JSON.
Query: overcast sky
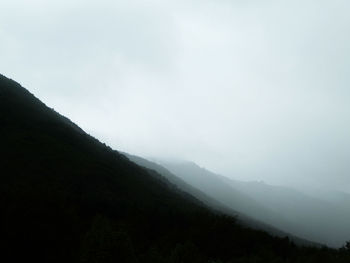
{"x":252,"y":89}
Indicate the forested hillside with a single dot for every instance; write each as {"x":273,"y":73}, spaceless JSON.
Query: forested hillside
{"x":66,"y":197}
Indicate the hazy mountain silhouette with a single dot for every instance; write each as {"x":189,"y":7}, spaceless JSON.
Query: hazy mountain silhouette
{"x":66,"y":197}
{"x":324,"y":221}
{"x":285,"y":208}
{"x":181,"y":184}
{"x":215,"y":204}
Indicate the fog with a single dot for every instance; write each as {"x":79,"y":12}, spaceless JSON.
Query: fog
{"x":254,"y":90}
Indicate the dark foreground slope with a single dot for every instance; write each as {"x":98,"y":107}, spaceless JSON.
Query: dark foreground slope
{"x":65,"y":197}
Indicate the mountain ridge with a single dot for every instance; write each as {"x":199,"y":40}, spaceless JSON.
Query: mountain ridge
{"x":66,"y":197}
{"x":214,"y":203}
{"x":307,"y":217}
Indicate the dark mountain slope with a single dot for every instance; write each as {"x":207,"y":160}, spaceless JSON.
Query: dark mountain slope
{"x":66,"y":197}
{"x":54,"y":173}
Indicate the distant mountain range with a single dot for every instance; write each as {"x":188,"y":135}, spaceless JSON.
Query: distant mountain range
{"x":67,"y":197}
{"x":321,"y":220}
{"x":236,"y":200}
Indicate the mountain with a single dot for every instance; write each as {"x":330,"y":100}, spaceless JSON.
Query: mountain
{"x":181,"y":184}
{"x":66,"y":197}
{"x":213,"y":203}
{"x":215,"y":186}
{"x":334,"y":197}
{"x":285,"y":208}
{"x":56,"y":180}
{"x":321,"y":220}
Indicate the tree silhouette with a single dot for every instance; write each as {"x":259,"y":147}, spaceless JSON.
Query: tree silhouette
{"x":104,"y":243}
